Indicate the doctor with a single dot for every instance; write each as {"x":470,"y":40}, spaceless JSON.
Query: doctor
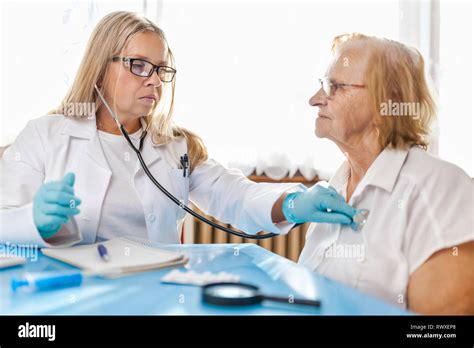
{"x":73,"y":179}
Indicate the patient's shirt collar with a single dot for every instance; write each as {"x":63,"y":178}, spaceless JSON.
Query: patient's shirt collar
{"x":382,"y":173}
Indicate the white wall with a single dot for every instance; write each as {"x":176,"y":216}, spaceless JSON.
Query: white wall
{"x":247,"y":69}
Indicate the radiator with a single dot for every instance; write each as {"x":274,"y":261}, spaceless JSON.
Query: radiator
{"x":288,"y":246}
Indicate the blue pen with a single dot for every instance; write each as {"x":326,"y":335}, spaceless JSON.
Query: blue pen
{"x":103,"y":252}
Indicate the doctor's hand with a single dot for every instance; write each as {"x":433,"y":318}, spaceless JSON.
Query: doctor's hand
{"x":317,"y":204}
{"x":53,"y":204}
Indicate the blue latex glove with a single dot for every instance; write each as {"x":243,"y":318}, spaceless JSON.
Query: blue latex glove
{"x":53,"y":204}
{"x":318,"y":204}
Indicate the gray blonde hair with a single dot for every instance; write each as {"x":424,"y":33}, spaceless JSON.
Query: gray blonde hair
{"x":396,"y":73}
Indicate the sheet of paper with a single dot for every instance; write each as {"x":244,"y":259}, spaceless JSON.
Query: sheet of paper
{"x":125,"y":255}
{"x":10,"y":261}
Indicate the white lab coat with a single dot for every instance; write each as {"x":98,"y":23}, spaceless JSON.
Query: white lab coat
{"x":53,"y":145}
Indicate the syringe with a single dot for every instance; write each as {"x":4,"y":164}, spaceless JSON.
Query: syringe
{"x":40,"y":281}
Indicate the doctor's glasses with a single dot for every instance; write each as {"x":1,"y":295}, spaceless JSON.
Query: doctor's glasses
{"x":143,"y":68}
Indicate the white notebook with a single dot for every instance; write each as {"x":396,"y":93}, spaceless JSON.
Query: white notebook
{"x":126,"y":256}
{"x":11,"y":261}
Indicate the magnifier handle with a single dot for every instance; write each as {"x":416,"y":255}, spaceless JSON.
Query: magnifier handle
{"x":300,"y":301}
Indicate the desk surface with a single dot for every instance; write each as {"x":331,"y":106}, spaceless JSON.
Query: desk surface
{"x":144,"y":294}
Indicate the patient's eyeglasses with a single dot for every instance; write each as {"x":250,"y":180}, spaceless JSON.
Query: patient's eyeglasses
{"x":329,"y":87}
{"x":143,"y":68}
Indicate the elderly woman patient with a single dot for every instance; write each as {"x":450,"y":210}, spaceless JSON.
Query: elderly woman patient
{"x":417,"y":246}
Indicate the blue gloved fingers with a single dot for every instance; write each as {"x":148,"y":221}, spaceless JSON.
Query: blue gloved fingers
{"x":354,"y":226}
{"x":336,"y":205}
{"x":61,"y":198}
{"x":331,"y":191}
{"x":56,"y":209}
{"x":48,"y":220}
{"x":337,"y":196}
{"x":54,"y":204}
{"x":57,"y":186}
{"x":69,"y":179}
{"x":318,"y":204}
{"x":331,"y":218}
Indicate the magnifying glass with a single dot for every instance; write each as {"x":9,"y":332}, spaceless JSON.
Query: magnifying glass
{"x":241,"y":294}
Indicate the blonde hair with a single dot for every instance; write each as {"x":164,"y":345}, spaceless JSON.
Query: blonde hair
{"x":395,"y":75}
{"x":108,"y":39}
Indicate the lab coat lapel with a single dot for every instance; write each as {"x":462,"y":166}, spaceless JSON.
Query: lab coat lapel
{"x":92,"y":183}
{"x":95,"y":152}
{"x":86,"y":128}
{"x":92,"y":176}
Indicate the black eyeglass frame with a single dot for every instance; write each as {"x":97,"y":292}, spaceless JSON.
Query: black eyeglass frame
{"x":154,"y":68}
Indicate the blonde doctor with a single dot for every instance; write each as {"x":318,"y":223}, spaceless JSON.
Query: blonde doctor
{"x":71,"y":179}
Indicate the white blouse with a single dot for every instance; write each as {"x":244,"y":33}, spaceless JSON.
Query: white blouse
{"x":418,"y":204}
{"x":122,"y":210}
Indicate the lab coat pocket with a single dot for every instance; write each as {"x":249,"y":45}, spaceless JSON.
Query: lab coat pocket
{"x":180,"y":186}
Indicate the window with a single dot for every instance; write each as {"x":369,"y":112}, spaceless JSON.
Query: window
{"x":456,"y":128}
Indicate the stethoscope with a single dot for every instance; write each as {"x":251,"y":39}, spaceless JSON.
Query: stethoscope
{"x":184,"y":163}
